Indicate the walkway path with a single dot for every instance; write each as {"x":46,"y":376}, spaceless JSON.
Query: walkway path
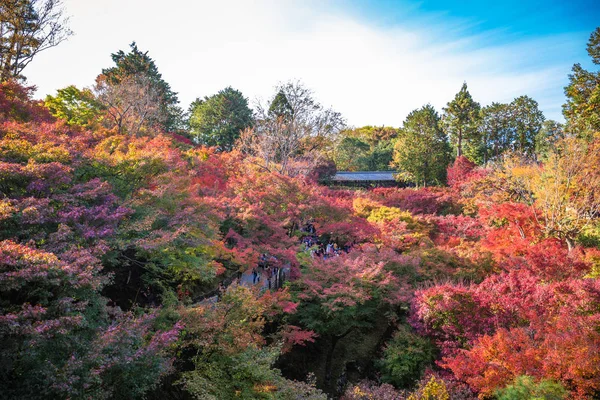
{"x":311,"y":240}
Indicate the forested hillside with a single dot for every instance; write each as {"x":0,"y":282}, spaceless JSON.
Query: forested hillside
{"x":149,"y":252}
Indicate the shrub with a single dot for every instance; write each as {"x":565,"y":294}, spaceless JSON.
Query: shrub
{"x":405,"y":358}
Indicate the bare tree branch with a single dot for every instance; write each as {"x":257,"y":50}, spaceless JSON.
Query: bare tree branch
{"x":28,"y":27}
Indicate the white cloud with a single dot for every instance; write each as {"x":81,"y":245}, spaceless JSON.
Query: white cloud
{"x":372,"y":74}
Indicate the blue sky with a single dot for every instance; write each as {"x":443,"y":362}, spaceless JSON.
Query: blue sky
{"x":524,"y":17}
{"x":374,"y":61}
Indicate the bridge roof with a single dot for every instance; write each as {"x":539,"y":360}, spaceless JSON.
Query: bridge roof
{"x":344,"y":176}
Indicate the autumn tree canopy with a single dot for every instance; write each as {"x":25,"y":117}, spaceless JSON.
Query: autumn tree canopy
{"x":148,"y":255}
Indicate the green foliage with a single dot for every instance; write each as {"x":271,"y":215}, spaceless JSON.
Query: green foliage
{"x":246,"y":375}
{"x":405,"y":358}
{"x":422,"y":153}
{"x":365,"y":149}
{"x":525,"y":388}
{"x":547,"y":138}
{"x":582,"y":109}
{"x":75,"y":106}
{"x":495,"y":132}
{"x":280,"y":106}
{"x":352,"y":154}
{"x":381,"y":156}
{"x":590,"y":236}
{"x":513,"y":127}
{"x":593,"y":46}
{"x":217,"y":120}
{"x":126,"y":165}
{"x":526,"y":120}
{"x":231,"y":359}
{"x":460,"y":121}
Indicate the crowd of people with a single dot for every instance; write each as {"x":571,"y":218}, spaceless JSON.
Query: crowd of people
{"x":269,"y":273}
{"x":319,"y":248}
{"x":268,"y":269}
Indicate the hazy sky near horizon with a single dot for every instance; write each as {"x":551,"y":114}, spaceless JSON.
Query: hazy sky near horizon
{"x":374,"y":61}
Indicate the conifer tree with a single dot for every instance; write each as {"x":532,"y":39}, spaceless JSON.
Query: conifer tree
{"x":460,"y":120}
{"x":582,"y":109}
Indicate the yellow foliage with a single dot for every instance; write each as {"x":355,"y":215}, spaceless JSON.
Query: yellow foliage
{"x":16,"y":149}
{"x":265,"y":388}
{"x":435,"y":389}
{"x":359,"y":393}
{"x":6,"y":209}
{"x":388,"y":214}
{"x":363,"y":206}
{"x":46,"y":152}
{"x":594,"y":272}
{"x":562,"y":190}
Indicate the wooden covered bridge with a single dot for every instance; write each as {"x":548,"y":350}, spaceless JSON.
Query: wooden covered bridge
{"x":365,"y":179}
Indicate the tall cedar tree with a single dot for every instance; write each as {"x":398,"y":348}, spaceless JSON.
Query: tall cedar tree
{"x":526,"y":121}
{"x":494,"y":128}
{"x":460,"y":120}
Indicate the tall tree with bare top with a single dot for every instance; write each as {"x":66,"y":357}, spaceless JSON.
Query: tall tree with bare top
{"x":132,"y":106}
{"x":137,"y":66}
{"x":293,"y":127}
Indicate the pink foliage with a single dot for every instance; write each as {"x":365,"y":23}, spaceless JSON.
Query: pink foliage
{"x":296,"y":336}
{"x":459,"y":226}
{"x":16,"y":103}
{"x":460,"y":171}
{"x":26,"y":269}
{"x":415,"y":201}
{"x":515,"y":323}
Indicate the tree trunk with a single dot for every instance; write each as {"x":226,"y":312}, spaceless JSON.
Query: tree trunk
{"x":334,"y":342}
{"x":570,"y":244}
